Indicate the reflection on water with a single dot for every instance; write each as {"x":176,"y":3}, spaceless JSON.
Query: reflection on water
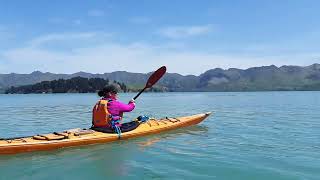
{"x":192,"y":130}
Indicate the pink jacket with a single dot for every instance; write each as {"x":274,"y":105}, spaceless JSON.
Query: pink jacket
{"x":117,"y":108}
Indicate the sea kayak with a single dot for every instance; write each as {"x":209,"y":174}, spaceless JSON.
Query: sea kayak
{"x":79,"y":137}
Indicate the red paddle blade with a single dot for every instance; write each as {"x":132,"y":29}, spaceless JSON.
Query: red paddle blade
{"x":156,"y":76}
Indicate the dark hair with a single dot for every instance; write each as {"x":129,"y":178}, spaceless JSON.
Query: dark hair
{"x":101,"y":93}
{"x":114,"y":88}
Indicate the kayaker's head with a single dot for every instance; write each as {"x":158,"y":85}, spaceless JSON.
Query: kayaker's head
{"x":110,"y":91}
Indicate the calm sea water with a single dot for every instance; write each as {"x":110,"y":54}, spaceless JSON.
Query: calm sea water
{"x":251,"y":135}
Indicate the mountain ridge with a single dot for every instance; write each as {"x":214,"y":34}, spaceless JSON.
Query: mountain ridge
{"x":263,"y":78}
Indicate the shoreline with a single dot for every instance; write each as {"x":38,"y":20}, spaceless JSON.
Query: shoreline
{"x":175,"y":92}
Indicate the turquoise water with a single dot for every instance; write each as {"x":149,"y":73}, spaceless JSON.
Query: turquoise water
{"x":252,"y":135}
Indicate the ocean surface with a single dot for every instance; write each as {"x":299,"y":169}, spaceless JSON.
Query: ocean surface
{"x":251,"y":135}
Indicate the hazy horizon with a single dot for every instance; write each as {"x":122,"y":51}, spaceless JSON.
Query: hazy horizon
{"x":155,"y":69}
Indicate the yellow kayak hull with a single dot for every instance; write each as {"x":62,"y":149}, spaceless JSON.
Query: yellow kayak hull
{"x":69,"y":139}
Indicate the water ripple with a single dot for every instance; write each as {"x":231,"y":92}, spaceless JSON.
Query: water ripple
{"x":263,"y":135}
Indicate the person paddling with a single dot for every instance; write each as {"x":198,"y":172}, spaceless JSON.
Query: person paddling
{"x":108,"y":111}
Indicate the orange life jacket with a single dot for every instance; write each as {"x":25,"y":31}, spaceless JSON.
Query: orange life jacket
{"x":100,"y":114}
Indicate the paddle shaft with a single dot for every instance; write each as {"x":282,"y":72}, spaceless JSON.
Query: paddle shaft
{"x":139,"y":93}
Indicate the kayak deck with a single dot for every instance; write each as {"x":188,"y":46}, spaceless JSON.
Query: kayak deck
{"x":79,"y":137}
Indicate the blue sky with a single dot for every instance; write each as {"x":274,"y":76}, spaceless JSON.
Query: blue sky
{"x":189,"y":37}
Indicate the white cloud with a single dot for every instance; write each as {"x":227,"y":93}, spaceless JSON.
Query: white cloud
{"x":96,"y":13}
{"x":56,"y":20}
{"x":2,"y":28}
{"x":5,"y":33}
{"x":108,"y":56}
{"x":65,"y":37}
{"x":77,"y":22}
{"x":59,"y":21}
{"x":140,"y":20}
{"x":185,"y":31}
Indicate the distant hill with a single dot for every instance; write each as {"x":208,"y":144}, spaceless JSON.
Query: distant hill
{"x":265,"y":78}
{"x":73,"y":85}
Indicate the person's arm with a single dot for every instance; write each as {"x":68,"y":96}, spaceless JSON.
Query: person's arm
{"x":126,"y":107}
